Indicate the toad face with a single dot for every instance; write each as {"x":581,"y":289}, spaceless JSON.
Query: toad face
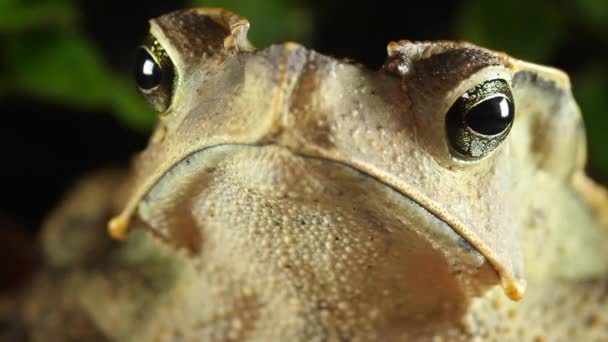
{"x":294,"y":196}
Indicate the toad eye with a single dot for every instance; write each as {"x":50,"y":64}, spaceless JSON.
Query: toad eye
{"x":154,"y":74}
{"x":147,"y":72}
{"x":480,"y":119}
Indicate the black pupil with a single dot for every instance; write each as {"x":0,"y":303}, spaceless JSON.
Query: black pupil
{"x":491,"y":116}
{"x":147,"y":73}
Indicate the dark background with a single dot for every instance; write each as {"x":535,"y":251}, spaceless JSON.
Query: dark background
{"x":69,"y":106}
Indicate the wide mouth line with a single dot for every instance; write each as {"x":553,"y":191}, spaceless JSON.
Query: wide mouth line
{"x":462,"y":239}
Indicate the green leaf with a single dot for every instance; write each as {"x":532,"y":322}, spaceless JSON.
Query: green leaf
{"x":528,"y":30}
{"x":61,"y":66}
{"x":64,"y":67}
{"x":595,"y":13}
{"x":272,"y":21}
{"x":19,"y":15}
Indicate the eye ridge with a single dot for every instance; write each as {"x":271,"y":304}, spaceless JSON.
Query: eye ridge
{"x":479,"y":120}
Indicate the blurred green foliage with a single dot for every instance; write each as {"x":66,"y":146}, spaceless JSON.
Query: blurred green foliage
{"x":506,"y":25}
{"x":275,"y":20}
{"x":534,"y":31}
{"x":73,"y":72}
{"x":46,"y":55}
{"x":591,"y":90}
{"x":19,"y":16}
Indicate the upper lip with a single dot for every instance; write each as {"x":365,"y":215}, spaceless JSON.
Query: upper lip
{"x":117,"y":226}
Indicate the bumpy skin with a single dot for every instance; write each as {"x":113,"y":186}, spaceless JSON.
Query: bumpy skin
{"x":286,"y":195}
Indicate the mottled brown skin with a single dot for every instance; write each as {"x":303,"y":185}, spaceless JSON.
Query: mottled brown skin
{"x":287,"y":195}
